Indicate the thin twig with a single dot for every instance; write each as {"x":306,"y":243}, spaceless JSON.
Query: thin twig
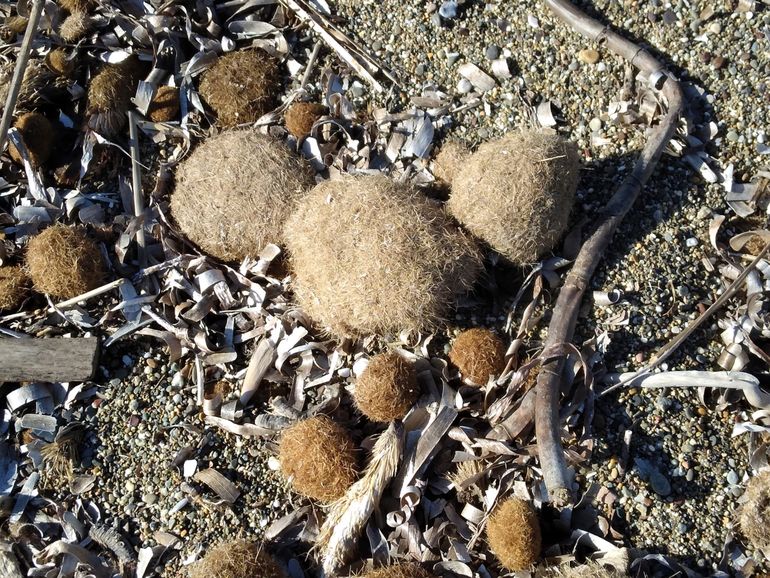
{"x":310,"y":63}
{"x":21,"y":67}
{"x":136,"y":185}
{"x":557,"y":476}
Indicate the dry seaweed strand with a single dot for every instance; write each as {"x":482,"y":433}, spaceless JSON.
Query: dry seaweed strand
{"x":388,"y":388}
{"x":237,"y":559}
{"x":374,"y":256}
{"x":479,"y":354}
{"x":557,"y":477}
{"x":14,"y":284}
{"x":400,"y":570}
{"x":513,"y":534}
{"x":754,"y":514}
{"x":38,"y":136}
{"x":235,"y":191}
{"x":319,"y":457}
{"x":347,"y":517}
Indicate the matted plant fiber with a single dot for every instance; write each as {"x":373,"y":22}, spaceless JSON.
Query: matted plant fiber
{"x":13,"y":287}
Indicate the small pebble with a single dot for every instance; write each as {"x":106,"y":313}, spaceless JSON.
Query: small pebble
{"x":589,"y":56}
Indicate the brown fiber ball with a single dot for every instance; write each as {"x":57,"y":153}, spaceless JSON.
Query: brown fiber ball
{"x":13,"y":287}
{"x":165,"y":106}
{"x":16,"y":24}
{"x":387,"y":389}
{"x":59,"y":62}
{"x":38,"y":136}
{"x":237,"y":559}
{"x":301,"y":116}
{"x":241,"y":86}
{"x":318,"y":456}
{"x":76,"y":26}
{"x":513,"y":534}
{"x":402,"y":570}
{"x":235,"y":191}
{"x":77,"y":5}
{"x":109,"y":96}
{"x":516,"y":193}
{"x":64,"y":262}
{"x":754,"y":518}
{"x":478,"y":354}
{"x":449,"y":161}
{"x":374,"y":256}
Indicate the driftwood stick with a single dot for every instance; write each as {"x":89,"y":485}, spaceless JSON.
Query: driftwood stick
{"x":136,"y":186}
{"x":557,"y":476}
{"x":21,"y":67}
{"x":56,"y":359}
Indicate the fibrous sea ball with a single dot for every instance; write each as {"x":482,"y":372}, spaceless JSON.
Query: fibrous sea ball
{"x":16,"y":24}
{"x":38,"y":136}
{"x":401,"y":570}
{"x":318,"y":456}
{"x":109,"y":96}
{"x":301,"y":116}
{"x":754,"y":516}
{"x":449,"y":160}
{"x":64,"y":262}
{"x":513,"y":534}
{"x":587,"y":570}
{"x":241,"y":86}
{"x":60,"y":62}
{"x":516,"y":193}
{"x":235,"y":191}
{"x":387,"y":388}
{"x":76,"y":26}
{"x":374,"y":256}
{"x":478,"y":354}
{"x":13,"y":287}
{"x":77,"y":5}
{"x":165,"y":106}
{"x":237,"y":559}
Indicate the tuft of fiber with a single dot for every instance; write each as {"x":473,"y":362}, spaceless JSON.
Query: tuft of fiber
{"x":16,"y":24}
{"x":237,"y":559}
{"x":77,"y":5}
{"x":13,"y":287}
{"x":60,"y":63}
{"x":449,"y":161}
{"x":165,"y":106}
{"x":318,"y":456}
{"x":374,"y":256}
{"x":64,"y":262}
{"x":401,"y":570}
{"x":754,"y":516}
{"x":76,"y":26}
{"x":587,"y":570}
{"x":109,"y":96}
{"x":241,"y":86}
{"x":38,"y":136}
{"x":478,"y":354}
{"x":516,"y":193}
{"x":387,"y":389}
{"x":235,"y":191}
{"x":301,"y":116}
{"x":513,"y":534}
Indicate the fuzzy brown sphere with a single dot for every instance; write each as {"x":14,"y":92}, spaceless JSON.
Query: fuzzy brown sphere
{"x":13,"y":287}
{"x":319,"y":457}
{"x":301,"y":116}
{"x":109,"y":96}
{"x":76,"y":26}
{"x":165,"y":106}
{"x":754,"y":517}
{"x":449,"y":161}
{"x":16,"y":24}
{"x":38,"y":136}
{"x":516,"y":193}
{"x":478,"y":353}
{"x":77,"y":5}
{"x":387,"y":389}
{"x":401,"y":570}
{"x":237,"y":559}
{"x":513,"y":534}
{"x":64,"y":262}
{"x":241,"y":86}
{"x":235,"y":191}
{"x":374,"y":256}
{"x":59,"y":62}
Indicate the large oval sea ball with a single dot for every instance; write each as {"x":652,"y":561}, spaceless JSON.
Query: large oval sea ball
{"x":13,"y":287}
{"x":64,"y":262}
{"x":109,"y":96}
{"x":387,"y":388}
{"x":516,"y":193}
{"x":478,"y":354}
{"x":237,"y":559}
{"x":374,"y":256}
{"x":318,"y":456}
{"x":38,"y":136}
{"x":241,"y":86}
{"x":513,"y":534}
{"x":754,"y":515}
{"x":234,"y":193}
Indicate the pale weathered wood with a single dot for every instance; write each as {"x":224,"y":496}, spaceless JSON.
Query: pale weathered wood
{"x":57,"y":359}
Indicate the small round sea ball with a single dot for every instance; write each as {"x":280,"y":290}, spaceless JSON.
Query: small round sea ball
{"x":301,"y":116}
{"x":14,"y":284}
{"x":513,"y":534}
{"x":76,"y":26}
{"x":109,"y":96}
{"x":387,"y":388}
{"x":478,"y":354}
{"x":38,"y":135}
{"x":516,"y":193}
{"x":234,"y":193}
{"x":237,"y":559}
{"x":400,"y":570}
{"x":165,"y":106}
{"x":64,"y":262}
{"x":59,"y":62}
{"x":318,"y":456}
